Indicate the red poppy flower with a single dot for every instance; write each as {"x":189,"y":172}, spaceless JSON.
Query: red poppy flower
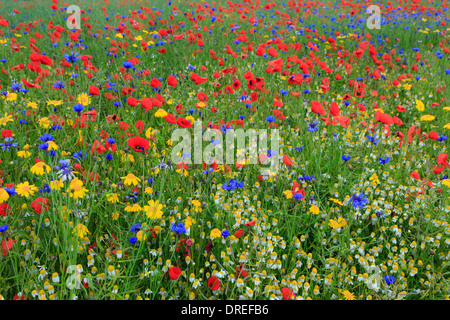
{"x":180,"y":108}
{"x":442,"y":160}
{"x":213,"y":283}
{"x":239,"y":233}
{"x":132,"y":102}
{"x":250,"y":223}
{"x":172,"y":81}
{"x":7,"y":133}
{"x":147,"y":104}
{"x":433,"y":135}
{"x":272,"y":52}
{"x":40,"y":203}
{"x":401,"y":109}
{"x":170,"y":118}
{"x":174,"y":273}
{"x":240,"y":272}
{"x":4,"y":210}
{"x":197,"y":79}
{"x":139,"y":144}
{"x":415,"y":175}
{"x":155,"y":83}
{"x":7,"y":245}
{"x":182,"y":122}
{"x":140,"y":125}
{"x":94,"y":91}
{"x":288,"y":294}
{"x":317,"y":108}
{"x":287,"y":160}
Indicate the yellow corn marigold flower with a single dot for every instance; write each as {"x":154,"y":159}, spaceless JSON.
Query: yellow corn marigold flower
{"x":153,"y":210}
{"x":160,"y":113}
{"x":288,"y":194}
{"x":32,"y":105}
{"x":54,"y":103}
{"x":80,"y":230}
{"x":45,"y":122}
{"x":52,"y":145}
{"x":446,"y":182}
{"x":84,"y":99}
{"x":11,"y":96}
{"x":56,"y":184}
{"x":196,"y":204}
{"x":24,"y":153}
{"x":188,"y":222}
{"x":314,"y":209}
{"x":419,"y":105}
{"x":134,"y":208}
{"x":348,"y":295}
{"x":6,"y":118}
{"x":130,"y":179}
{"x":427,"y":117}
{"x":337,"y":224}
{"x":4,"y":196}
{"x":76,"y":188}
{"x":148,"y":190}
{"x":112,"y":197}
{"x":215,"y":233}
{"x":40,"y":168}
{"x":140,"y":235}
{"x":25,"y":189}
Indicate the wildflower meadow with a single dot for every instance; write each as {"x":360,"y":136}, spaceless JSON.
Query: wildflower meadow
{"x":224,"y":150}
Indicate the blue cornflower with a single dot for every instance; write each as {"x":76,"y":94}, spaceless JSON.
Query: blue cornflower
{"x":72,"y":58}
{"x":78,"y":107}
{"x":224,"y":128}
{"x":346,"y":158}
{"x":43,"y":146}
{"x":373,"y":139}
{"x":383,"y":161}
{"x":79,"y":155}
{"x":225,"y":233}
{"x":59,"y":84}
{"x":4,"y":228}
{"x":133,"y":240}
{"x":135,"y":227}
{"x":65,"y":170}
{"x":11,"y":191}
{"x":127,"y":64}
{"x":8,"y":144}
{"x":232,"y":184}
{"x":314,"y":126}
{"x":179,"y":228}
{"x":45,"y":189}
{"x":270,"y":118}
{"x":109,"y":156}
{"x":208,"y":171}
{"x":309,"y":178}
{"x":359,"y":201}
{"x":297,"y":196}
{"x":271,"y":153}
{"x":299,"y":148}
{"x":389,"y":279}
{"x":46,"y":137}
